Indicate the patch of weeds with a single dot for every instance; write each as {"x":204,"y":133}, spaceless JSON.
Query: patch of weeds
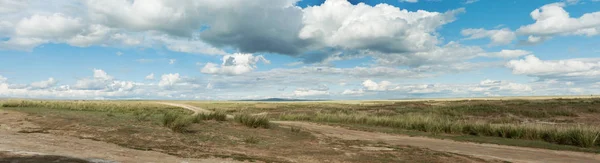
{"x":218,"y":116}
{"x":253,"y":121}
{"x":169,"y":118}
{"x":181,"y":123}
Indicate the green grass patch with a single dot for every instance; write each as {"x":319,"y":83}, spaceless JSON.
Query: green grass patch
{"x":253,"y":121}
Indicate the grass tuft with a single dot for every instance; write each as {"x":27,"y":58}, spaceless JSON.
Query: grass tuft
{"x":252,"y":121}
{"x":218,"y":116}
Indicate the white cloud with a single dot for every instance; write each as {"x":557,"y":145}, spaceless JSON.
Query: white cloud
{"x":533,"y":65}
{"x":55,"y":26}
{"x":168,"y":80}
{"x":353,"y":92}
{"x":571,"y":69}
{"x":309,"y":92}
{"x":507,"y":53}
{"x":172,"y":61}
{"x":374,"y":86}
{"x":44,"y":84}
{"x":235,"y":64}
{"x":119,"y":53}
{"x":150,"y":76}
{"x":553,"y":19}
{"x":101,"y":75}
{"x":497,"y":36}
{"x":384,"y":28}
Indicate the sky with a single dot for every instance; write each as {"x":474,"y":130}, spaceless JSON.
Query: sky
{"x":301,"y":49}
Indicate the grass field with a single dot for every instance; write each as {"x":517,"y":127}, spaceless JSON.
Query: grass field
{"x":558,"y":124}
{"x":145,"y":125}
{"x":571,"y":122}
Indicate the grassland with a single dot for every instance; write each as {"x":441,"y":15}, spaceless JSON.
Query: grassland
{"x":149,"y":126}
{"x":572,"y":122}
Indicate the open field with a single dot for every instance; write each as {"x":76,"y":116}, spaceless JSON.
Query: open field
{"x":221,"y":131}
{"x":558,"y":121}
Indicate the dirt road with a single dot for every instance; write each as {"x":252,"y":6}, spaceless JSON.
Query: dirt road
{"x":484,"y":151}
{"x":15,"y":145}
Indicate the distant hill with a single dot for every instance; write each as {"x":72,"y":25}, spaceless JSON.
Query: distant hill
{"x":281,"y":99}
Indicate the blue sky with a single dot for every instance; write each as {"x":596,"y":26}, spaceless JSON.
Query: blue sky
{"x":308,"y":49}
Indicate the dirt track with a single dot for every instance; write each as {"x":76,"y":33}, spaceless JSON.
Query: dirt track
{"x":484,"y":151}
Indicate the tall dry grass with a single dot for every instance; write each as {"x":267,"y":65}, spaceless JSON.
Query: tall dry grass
{"x":577,"y":135}
{"x":134,"y":107}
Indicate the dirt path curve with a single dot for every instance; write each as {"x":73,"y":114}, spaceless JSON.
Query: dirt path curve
{"x":484,"y":151}
{"x":196,"y":110}
{"x":17,"y":145}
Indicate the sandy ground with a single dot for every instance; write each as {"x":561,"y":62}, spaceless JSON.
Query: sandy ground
{"x":484,"y":151}
{"x":14,"y":143}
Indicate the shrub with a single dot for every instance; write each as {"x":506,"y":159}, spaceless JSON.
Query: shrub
{"x":253,"y":121}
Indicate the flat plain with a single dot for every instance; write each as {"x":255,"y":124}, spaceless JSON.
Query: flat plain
{"x":511,"y":129}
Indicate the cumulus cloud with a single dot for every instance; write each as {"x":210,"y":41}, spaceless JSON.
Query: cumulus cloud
{"x":44,"y":84}
{"x":205,"y":27}
{"x":384,"y":28}
{"x":497,"y":36}
{"x":374,"y":86}
{"x":168,"y":80}
{"x":553,"y":19}
{"x":235,"y":64}
{"x":99,"y":81}
{"x":570,"y":69}
{"x":150,"y":76}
